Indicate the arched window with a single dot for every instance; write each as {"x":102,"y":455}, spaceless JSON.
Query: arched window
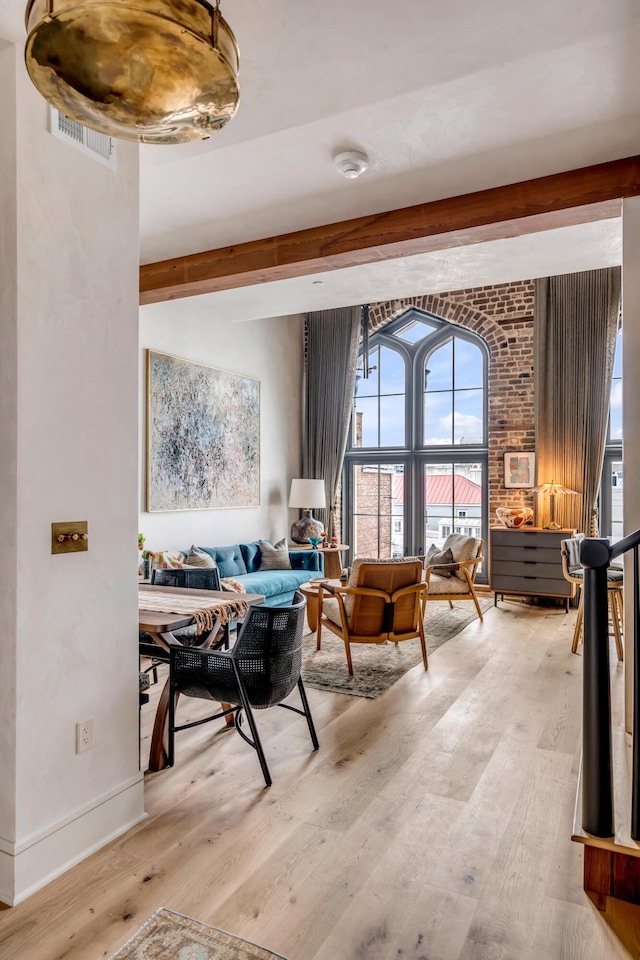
{"x":416,"y":461}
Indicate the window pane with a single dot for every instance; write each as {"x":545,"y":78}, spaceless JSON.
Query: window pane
{"x":438,"y":418}
{"x":415,"y":331}
{"x":369,"y":387}
{"x":468,"y":364}
{"x":468,"y":420}
{"x":615,"y":417}
{"x":392,"y":378}
{"x":392,"y":410}
{"x":439,"y":368}
{"x":438,"y":503}
{"x":617,"y":363}
{"x":366,"y":422}
{"x":616,"y":499}
{"x":453,"y":501}
{"x":378,"y":512}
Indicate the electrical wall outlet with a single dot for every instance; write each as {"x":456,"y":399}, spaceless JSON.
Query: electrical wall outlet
{"x":84,"y":735}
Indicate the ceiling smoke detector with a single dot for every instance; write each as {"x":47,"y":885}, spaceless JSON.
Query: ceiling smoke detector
{"x":351,"y":164}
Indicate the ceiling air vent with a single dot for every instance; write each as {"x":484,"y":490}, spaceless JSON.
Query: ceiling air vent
{"x":97,"y":145}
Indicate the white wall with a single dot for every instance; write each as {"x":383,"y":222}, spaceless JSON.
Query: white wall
{"x":8,"y":446}
{"x":69,"y":279}
{"x":269,"y":350}
{"x":631,"y":421}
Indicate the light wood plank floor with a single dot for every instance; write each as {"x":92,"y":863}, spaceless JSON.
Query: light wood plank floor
{"x":433,"y":823}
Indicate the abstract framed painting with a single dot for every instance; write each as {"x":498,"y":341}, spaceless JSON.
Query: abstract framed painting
{"x":519,"y":469}
{"x":203,"y":436}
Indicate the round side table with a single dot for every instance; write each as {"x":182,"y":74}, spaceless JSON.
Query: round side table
{"x":310,"y":591}
{"x":332,"y":557}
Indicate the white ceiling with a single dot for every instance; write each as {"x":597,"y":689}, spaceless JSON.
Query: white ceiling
{"x":446,"y":97}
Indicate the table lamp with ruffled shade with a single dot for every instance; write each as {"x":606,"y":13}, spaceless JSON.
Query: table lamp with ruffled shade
{"x":554,"y":489}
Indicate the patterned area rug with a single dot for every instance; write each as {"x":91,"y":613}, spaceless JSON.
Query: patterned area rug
{"x":376,"y":667}
{"x":170,"y":936}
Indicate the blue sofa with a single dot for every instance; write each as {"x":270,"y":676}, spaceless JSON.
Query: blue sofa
{"x":242,"y":561}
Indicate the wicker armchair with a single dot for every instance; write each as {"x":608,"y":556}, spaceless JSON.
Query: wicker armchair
{"x":260,"y":671}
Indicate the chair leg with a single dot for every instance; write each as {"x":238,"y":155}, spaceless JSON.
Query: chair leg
{"x":252,"y":725}
{"x":475,"y":600}
{"x":171,"y":735}
{"x":347,"y":649}
{"x":450,"y":605}
{"x":319,"y":630}
{"x":307,"y":713}
{"x":615,"y":621}
{"x":578,"y":626}
{"x":620,"y":602}
{"x":423,"y":645}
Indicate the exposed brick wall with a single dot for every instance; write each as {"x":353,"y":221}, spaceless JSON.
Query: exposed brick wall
{"x":503,"y":316}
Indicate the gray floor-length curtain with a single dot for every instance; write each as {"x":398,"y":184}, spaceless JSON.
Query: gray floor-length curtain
{"x":332,"y":340}
{"x":576,"y":321}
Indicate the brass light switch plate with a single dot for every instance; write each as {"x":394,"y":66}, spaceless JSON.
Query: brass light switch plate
{"x":70,"y":537}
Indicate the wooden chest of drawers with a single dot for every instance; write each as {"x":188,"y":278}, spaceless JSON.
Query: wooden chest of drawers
{"x":528,"y":562}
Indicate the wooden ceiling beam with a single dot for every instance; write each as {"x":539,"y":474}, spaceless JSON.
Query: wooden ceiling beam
{"x":576,"y":196}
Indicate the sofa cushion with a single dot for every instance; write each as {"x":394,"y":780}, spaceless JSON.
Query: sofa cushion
{"x":275,"y":556}
{"x":229,"y":559}
{"x":251,"y":555}
{"x":200,"y":558}
{"x":232,"y":586}
{"x":439,"y":584}
{"x":462,"y":548}
{"x":272,"y":582}
{"x":435,"y":557}
{"x":309,"y":560}
{"x":331,"y":610}
{"x":168,"y":560}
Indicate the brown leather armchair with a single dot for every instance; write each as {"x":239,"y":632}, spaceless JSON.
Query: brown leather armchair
{"x":384,"y":600}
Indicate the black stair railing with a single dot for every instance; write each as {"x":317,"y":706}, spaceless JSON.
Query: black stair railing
{"x":597,"y":757}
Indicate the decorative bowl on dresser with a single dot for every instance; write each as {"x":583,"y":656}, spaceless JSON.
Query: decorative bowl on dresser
{"x":527,"y":562}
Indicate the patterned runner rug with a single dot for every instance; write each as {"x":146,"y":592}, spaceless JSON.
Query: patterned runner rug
{"x":170,"y":936}
{"x":376,"y":667}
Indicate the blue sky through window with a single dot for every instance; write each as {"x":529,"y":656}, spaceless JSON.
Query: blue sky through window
{"x":453,"y":394}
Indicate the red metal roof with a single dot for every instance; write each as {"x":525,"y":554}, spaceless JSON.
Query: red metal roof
{"x":439,"y":488}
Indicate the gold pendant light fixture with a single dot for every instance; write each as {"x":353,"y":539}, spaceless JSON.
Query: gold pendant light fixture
{"x":157,"y":71}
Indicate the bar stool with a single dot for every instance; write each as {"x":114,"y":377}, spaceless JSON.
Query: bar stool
{"x":574,"y":573}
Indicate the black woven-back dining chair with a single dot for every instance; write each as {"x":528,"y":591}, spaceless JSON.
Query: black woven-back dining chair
{"x":206,"y":578}
{"x":195,"y":578}
{"x":260,"y":671}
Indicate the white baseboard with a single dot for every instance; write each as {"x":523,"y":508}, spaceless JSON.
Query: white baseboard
{"x":30,"y":864}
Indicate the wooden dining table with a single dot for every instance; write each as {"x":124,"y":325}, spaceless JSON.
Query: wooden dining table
{"x":161,"y":626}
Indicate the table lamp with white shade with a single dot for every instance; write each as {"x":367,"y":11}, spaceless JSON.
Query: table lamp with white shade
{"x":307,"y":494}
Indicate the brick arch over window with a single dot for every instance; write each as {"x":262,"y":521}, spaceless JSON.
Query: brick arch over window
{"x":505,"y":323}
